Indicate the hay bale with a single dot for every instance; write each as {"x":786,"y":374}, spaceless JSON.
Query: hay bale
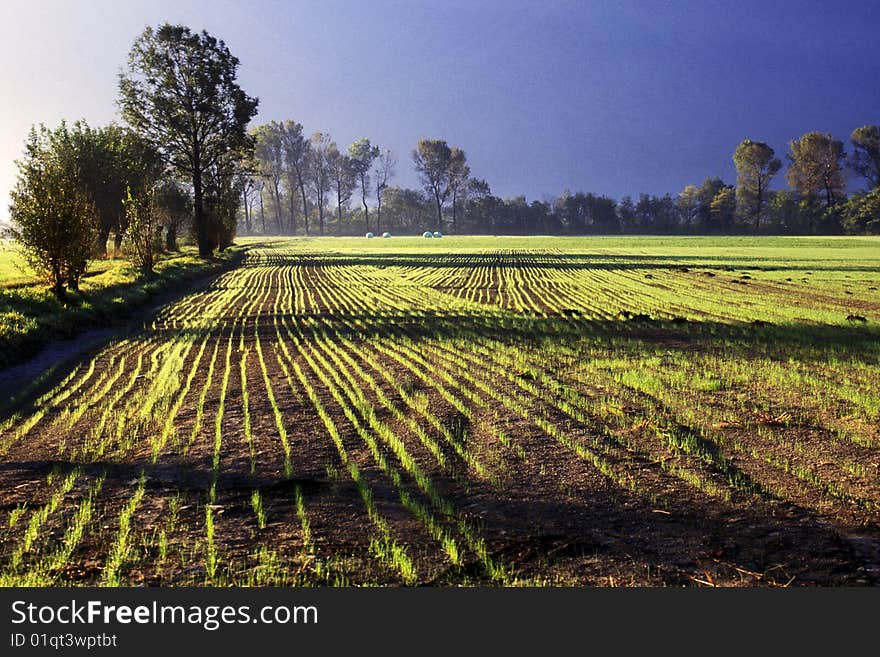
{"x":369,"y":235}
{"x":386,"y":234}
{"x":427,"y":233}
{"x":438,"y":234}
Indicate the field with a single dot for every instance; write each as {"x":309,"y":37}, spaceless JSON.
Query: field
{"x":469,"y":411}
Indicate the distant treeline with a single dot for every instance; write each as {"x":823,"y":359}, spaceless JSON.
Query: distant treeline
{"x":282,"y":193}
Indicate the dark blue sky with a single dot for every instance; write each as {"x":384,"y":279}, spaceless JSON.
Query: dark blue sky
{"x":611,"y":97}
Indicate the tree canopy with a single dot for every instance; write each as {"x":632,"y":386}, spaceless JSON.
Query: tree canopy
{"x":180,"y":94}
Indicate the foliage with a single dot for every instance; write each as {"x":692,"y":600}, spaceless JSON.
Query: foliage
{"x":54,"y":219}
{"x":361,"y":154}
{"x":180,"y":94}
{"x":174,"y":208}
{"x":816,"y":166}
{"x":113,"y":290}
{"x":755,"y":166}
{"x":431,"y":158}
{"x":865,"y":159}
{"x":142,"y":217}
{"x":861,"y":213}
{"x":342,"y":180}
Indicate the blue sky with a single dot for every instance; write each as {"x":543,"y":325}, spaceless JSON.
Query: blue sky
{"x":610,"y":97}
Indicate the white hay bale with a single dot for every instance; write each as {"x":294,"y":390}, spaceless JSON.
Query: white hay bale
{"x":369,"y":235}
{"x":438,"y":234}
{"x":386,"y":234}
{"x":427,"y":233}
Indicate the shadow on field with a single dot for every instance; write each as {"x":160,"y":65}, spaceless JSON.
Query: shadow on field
{"x":786,"y":340}
{"x":536,"y":530}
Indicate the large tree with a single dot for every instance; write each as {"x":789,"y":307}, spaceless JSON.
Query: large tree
{"x":431,"y":158}
{"x":816,"y":166}
{"x":865,"y":159}
{"x":361,"y":153}
{"x":180,"y":93}
{"x":755,"y":168}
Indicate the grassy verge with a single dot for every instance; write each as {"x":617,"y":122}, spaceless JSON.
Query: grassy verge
{"x":113,"y":291}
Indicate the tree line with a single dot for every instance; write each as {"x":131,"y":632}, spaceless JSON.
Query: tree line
{"x":450,"y":199}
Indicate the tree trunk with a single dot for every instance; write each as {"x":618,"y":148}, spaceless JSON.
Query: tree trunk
{"x":302,"y":193}
{"x":247,"y":214}
{"x":204,"y":243}
{"x":439,"y":213}
{"x":292,"y":213}
{"x":338,"y":212}
{"x":101,"y":241}
{"x":262,"y":212}
{"x":378,"y":208}
{"x":277,"y":198}
{"x":453,"y":210}
{"x":364,"y":201}
{"x":171,"y":237}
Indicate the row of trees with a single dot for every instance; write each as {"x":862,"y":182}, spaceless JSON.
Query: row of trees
{"x":817,"y":178}
{"x":293,"y":180}
{"x":288,"y":168}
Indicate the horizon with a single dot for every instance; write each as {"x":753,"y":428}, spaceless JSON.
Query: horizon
{"x":615,"y":99}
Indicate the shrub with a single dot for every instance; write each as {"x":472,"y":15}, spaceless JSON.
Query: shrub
{"x":54,"y":220}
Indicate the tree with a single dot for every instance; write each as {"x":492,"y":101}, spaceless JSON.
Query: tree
{"x":319,"y":173}
{"x":269,"y":156}
{"x":861,"y":213}
{"x":431,"y":158}
{"x":783,"y":212}
{"x":247,"y":183}
{"x":296,"y":160}
{"x":405,"y":209}
{"x":689,"y":206}
{"x":173,"y":207}
{"x":53,"y":217}
{"x":816,"y":165}
{"x":865,"y":159}
{"x":342,"y":180}
{"x":362,"y":153}
{"x":457,"y":176}
{"x":384,"y":172}
{"x":180,"y":94}
{"x":707,"y":193}
{"x":755,"y":168}
{"x":722,"y":209}
{"x":142,"y":219}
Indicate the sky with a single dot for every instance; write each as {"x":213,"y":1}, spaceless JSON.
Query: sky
{"x":613,"y":97}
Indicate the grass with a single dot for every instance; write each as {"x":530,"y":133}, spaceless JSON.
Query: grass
{"x":112,"y":291}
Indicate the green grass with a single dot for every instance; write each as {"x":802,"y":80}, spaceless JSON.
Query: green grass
{"x":112,"y":290}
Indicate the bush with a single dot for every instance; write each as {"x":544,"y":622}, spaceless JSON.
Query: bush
{"x":54,"y":220}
